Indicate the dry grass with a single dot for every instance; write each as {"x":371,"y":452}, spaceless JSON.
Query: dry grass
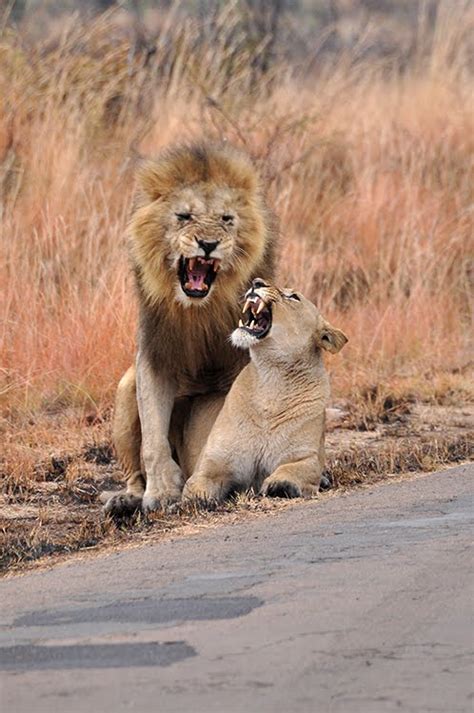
{"x":369,"y":169}
{"x":55,"y":512}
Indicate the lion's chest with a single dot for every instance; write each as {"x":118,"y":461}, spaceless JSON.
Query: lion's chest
{"x":199,"y":359}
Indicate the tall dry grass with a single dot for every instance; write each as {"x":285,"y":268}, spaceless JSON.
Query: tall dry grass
{"x":369,"y":170}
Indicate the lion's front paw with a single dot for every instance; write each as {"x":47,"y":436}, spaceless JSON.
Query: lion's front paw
{"x":150,"y":503}
{"x":281,"y":489}
{"x":122,"y":505}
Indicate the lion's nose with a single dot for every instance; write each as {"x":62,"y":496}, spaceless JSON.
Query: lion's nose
{"x":207,"y":246}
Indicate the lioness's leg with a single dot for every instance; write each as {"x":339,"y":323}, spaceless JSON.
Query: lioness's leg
{"x":294,"y":480}
{"x":155,"y":397}
{"x":211,"y":482}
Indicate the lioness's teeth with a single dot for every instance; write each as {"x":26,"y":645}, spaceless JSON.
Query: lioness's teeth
{"x":247,"y":305}
{"x":205,"y":287}
{"x":216,"y":265}
{"x":189,"y":286}
{"x":192,"y":262}
{"x":260,"y":307}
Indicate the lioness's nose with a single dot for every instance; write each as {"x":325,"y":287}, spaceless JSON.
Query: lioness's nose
{"x":207,"y":246}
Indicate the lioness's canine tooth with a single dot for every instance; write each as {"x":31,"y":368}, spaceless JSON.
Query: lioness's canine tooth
{"x":192,"y":262}
{"x":216,"y":265}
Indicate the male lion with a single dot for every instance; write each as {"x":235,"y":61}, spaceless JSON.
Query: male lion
{"x":270,"y":431}
{"x":199,"y":233}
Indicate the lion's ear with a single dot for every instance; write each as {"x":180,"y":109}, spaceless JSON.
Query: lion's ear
{"x":330,"y":338}
{"x":151,"y":181}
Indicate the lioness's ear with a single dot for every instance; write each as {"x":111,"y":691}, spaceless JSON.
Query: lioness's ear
{"x":330,"y":338}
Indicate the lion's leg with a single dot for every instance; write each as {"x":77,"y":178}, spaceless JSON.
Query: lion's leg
{"x":156,"y":398}
{"x":126,"y":436}
{"x":126,"y":432}
{"x":202,"y":413}
{"x":294,"y":480}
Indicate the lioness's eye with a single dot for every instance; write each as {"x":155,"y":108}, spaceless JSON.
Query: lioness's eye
{"x":294,"y":296}
{"x":183,"y":216}
{"x":227,"y":218}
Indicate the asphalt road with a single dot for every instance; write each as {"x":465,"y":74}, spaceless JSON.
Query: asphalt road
{"x":359,"y":603}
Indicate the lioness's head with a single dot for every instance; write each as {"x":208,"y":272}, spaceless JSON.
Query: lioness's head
{"x":284,"y":322}
{"x":199,"y":229}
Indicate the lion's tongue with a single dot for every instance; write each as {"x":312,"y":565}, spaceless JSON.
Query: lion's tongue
{"x":196,"y":278}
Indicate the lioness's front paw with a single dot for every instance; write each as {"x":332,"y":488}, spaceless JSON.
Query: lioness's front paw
{"x":327,"y":481}
{"x":198,"y":491}
{"x":281,"y":489}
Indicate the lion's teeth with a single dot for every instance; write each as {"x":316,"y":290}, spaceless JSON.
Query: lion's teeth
{"x":241,"y":324}
{"x":260,"y":307}
{"x":252,"y":324}
{"x":247,"y":305}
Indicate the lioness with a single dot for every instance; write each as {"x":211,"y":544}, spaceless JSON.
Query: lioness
{"x":270,"y":431}
{"x":200,"y":231}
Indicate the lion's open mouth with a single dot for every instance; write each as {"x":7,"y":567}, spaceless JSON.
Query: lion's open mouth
{"x":257,"y":316}
{"x":196,"y":275}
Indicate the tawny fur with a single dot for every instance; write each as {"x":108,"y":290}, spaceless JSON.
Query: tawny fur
{"x":269,"y":434}
{"x":185,"y":341}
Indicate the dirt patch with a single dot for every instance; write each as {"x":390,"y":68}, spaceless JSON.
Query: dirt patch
{"x":50,"y":508}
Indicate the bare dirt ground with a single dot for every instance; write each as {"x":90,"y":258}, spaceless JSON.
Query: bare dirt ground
{"x":49,"y":506}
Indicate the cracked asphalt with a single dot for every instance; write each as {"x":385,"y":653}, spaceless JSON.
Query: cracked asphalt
{"x":356,"y":603}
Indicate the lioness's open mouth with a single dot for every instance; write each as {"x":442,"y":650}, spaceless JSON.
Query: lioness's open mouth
{"x":196,"y":275}
{"x":257,"y":316}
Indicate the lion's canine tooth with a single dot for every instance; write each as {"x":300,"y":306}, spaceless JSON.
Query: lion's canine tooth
{"x":260,"y":307}
{"x":252,"y":324}
{"x":247,"y":304}
{"x":241,"y":324}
